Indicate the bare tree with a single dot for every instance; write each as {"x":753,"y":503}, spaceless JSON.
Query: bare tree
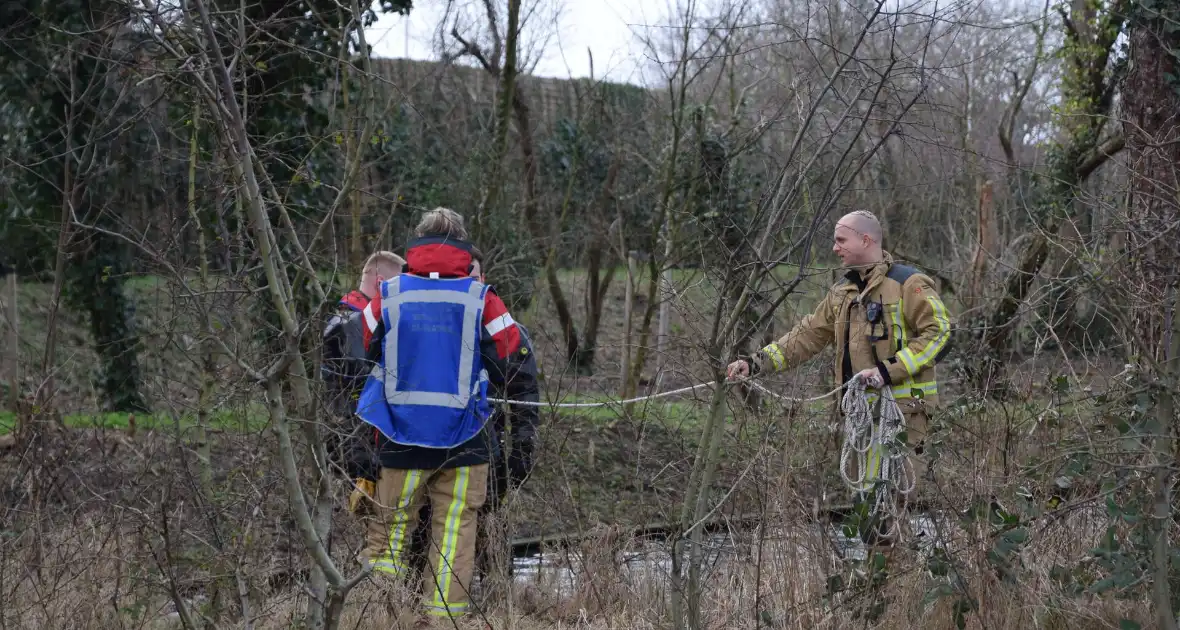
{"x":1088,"y":92}
{"x":821,"y":162}
{"x":196,"y":43}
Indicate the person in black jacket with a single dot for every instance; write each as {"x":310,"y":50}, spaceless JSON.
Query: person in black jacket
{"x":345,"y":367}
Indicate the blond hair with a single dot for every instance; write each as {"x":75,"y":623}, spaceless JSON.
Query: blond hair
{"x":443,"y":222}
{"x":383,"y":263}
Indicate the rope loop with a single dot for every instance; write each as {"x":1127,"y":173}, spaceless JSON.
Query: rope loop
{"x":873,"y":463}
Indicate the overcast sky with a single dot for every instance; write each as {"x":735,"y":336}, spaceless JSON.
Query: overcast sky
{"x":608,"y":28}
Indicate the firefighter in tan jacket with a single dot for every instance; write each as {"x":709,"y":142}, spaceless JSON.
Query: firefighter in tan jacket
{"x":886,"y":320}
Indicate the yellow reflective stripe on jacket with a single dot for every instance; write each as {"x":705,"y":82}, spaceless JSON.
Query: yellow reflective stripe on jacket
{"x":903,"y":338}
{"x":775,"y":354}
{"x":906,"y":390}
{"x":944,"y":332}
{"x":915,"y":363}
{"x":900,"y":335}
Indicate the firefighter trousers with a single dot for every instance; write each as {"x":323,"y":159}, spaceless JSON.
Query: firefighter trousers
{"x":916,"y":426}
{"x":917,"y":421}
{"x":455,"y":496}
{"x":485,"y":540}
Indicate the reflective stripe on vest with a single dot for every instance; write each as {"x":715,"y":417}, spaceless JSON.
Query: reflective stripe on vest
{"x":393,"y":297}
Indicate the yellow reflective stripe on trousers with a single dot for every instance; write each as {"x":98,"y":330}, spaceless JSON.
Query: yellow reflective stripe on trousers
{"x":450,"y":546}
{"x":391,"y":562}
{"x":775,"y":354}
{"x":446,"y":610}
{"x":872,"y":474}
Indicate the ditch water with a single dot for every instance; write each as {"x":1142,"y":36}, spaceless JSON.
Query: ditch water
{"x":650,"y":559}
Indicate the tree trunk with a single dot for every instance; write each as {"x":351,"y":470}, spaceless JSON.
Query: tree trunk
{"x":1065,"y":290}
{"x":94,"y":282}
{"x":1152,"y":129}
{"x":1153,"y":141}
{"x":628,"y":326}
{"x":533,"y":220}
{"x":356,"y":237}
{"x":597,"y":283}
{"x":64,"y":240}
{"x":208,"y":364}
{"x":532,"y":215}
{"x":986,"y":247}
{"x":327,"y":585}
{"x":665,"y":321}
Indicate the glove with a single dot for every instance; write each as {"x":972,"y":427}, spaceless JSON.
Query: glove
{"x":871,"y":378}
{"x":520,"y":462}
{"x":361,"y":461}
{"x":365,"y":489}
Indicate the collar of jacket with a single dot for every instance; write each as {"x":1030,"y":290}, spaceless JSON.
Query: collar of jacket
{"x":354,"y":300}
{"x":448,"y":257}
{"x":873,"y":275}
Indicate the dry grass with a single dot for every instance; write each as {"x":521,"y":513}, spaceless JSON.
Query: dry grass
{"x":84,"y":544}
{"x":104,"y":572}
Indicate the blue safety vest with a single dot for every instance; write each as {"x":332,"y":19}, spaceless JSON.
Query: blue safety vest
{"x":429,"y":388}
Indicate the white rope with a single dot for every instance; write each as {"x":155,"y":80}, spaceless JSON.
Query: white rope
{"x":607,"y":403}
{"x":682,"y":390}
{"x":864,"y":441}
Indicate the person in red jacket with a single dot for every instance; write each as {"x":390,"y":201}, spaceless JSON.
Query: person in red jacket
{"x":454,"y":480}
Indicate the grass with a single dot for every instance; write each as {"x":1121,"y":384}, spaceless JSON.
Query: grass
{"x":169,"y":423}
{"x":675,"y":415}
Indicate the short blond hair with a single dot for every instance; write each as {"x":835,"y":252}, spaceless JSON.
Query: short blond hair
{"x":443,"y":222}
{"x":864,"y":223}
{"x":384,"y":264}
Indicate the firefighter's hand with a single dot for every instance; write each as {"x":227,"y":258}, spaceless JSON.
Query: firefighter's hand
{"x":871,"y":378}
{"x":738,"y":369}
{"x":363,"y":492}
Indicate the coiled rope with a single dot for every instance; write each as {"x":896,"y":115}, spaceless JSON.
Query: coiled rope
{"x":873,"y":463}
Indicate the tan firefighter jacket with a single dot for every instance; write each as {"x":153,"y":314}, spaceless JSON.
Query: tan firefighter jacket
{"x":912,"y":330}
